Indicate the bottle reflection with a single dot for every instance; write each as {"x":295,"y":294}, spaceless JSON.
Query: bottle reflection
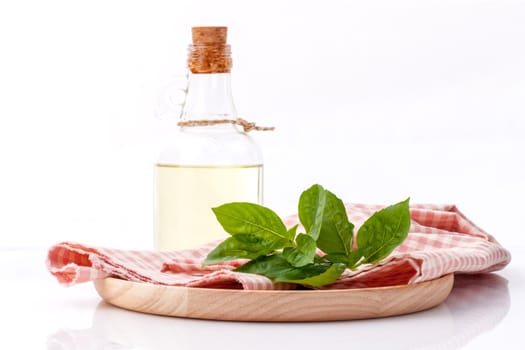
{"x":476,"y":304}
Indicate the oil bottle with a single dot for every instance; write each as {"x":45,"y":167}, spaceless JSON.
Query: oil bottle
{"x":208,"y":162}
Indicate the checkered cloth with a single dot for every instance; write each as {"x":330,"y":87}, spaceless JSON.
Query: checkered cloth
{"x":441,"y":241}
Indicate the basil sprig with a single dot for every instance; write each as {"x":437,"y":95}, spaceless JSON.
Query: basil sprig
{"x":283,"y":255}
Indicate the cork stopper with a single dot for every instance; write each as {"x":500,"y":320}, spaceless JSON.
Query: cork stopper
{"x":209,"y":52}
{"x":209,"y":35}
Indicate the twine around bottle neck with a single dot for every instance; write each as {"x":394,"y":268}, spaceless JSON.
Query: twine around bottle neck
{"x":210,"y":54}
{"x":246,"y":125}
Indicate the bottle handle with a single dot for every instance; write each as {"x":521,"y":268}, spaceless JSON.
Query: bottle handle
{"x":172,"y":98}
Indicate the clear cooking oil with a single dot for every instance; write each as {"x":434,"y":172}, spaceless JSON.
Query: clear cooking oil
{"x":186,"y":194}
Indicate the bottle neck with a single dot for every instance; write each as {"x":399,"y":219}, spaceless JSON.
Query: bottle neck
{"x":209,"y":97}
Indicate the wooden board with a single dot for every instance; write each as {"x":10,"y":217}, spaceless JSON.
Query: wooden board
{"x":274,"y":306}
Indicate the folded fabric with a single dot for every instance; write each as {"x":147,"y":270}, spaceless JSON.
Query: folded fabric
{"x":73,"y":263}
{"x":441,"y":240}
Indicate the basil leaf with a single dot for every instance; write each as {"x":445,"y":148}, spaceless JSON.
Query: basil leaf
{"x":303,"y":254}
{"x":336,"y":234}
{"x":269,"y":266}
{"x":292,"y":231}
{"x":351,"y":261}
{"x":337,"y":258}
{"x":316,"y":279}
{"x":384,"y":231}
{"x":356,"y":257}
{"x":243,"y":218}
{"x":278,"y":269}
{"x":242,"y":246}
{"x":311,"y":209}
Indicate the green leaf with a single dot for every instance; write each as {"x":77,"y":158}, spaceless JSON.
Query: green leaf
{"x":292,"y":231}
{"x":303,"y":254}
{"x":269,"y":266}
{"x":243,"y":218}
{"x":351,"y":261}
{"x":384,"y":231}
{"x":242,"y":246}
{"x":278,"y":269}
{"x":316,"y":279}
{"x":336,"y":234}
{"x":311,"y":209}
{"x":356,"y":257}
{"x":337,"y":258}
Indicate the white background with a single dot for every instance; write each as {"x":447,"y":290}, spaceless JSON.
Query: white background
{"x":375,"y":100}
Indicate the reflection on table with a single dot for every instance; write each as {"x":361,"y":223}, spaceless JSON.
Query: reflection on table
{"x":477,"y":303}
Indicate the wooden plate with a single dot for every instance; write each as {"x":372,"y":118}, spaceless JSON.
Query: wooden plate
{"x":274,"y":306}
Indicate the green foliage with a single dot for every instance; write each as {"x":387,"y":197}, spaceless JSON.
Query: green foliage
{"x":257,"y":233}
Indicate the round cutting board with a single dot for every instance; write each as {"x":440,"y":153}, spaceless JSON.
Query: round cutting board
{"x":274,"y":305}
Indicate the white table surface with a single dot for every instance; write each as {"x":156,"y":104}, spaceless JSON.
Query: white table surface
{"x":482,"y":312}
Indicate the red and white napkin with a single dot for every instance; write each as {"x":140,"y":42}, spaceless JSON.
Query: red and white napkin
{"x":441,"y":241}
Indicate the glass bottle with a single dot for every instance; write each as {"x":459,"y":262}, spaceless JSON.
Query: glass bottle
{"x":205,"y":166}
